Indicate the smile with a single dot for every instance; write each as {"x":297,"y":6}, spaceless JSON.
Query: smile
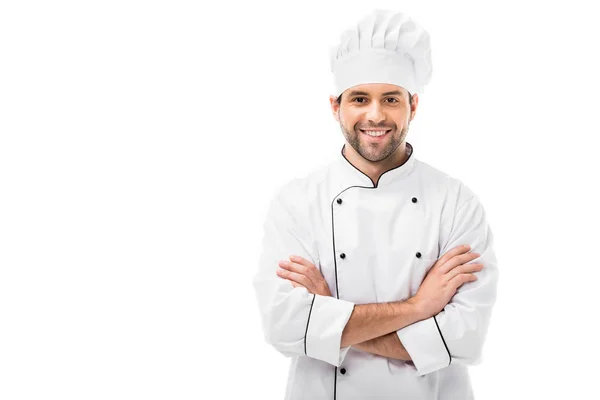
{"x":375,"y":133}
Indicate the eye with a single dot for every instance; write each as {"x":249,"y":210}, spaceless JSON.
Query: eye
{"x":391,"y":98}
{"x":356,"y":98}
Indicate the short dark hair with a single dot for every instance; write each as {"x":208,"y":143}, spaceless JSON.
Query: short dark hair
{"x":339,"y":99}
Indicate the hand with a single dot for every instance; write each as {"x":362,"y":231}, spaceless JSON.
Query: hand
{"x":303,"y":273}
{"x":444,"y":278}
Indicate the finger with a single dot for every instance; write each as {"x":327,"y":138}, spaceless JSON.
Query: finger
{"x":464,"y":269}
{"x":458,"y":260}
{"x":298,"y":278}
{"x":452,"y":253}
{"x":310,"y":267}
{"x":299,"y":269}
{"x":458,"y":280}
{"x":301,"y":260}
{"x":295,"y":284}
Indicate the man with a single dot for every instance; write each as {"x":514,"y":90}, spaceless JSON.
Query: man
{"x":366,"y":279}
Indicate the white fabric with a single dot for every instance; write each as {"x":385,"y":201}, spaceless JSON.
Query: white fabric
{"x":380,"y":229}
{"x":384,"y":47}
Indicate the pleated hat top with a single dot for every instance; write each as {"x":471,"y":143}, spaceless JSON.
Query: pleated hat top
{"x":383,"y":47}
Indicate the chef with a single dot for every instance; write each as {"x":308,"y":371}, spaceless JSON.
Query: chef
{"x":377,"y":274}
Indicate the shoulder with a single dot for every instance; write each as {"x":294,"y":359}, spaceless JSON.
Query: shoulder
{"x":455,"y":190}
{"x":303,"y":189}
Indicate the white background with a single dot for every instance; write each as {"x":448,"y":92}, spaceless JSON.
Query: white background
{"x":140,"y":143}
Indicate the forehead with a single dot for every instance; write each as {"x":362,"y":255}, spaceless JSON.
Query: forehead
{"x":375,"y":89}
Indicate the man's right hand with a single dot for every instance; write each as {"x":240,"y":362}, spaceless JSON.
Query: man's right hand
{"x":444,"y":278}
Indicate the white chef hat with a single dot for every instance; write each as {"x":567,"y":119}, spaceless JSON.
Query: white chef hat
{"x":384,"y":47}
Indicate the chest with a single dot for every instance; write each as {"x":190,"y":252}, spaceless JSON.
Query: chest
{"x":375,"y":245}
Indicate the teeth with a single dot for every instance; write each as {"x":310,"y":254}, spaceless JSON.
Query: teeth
{"x":375,"y":133}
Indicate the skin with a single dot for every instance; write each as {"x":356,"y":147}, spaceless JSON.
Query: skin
{"x":372,"y":327}
{"x":374,"y":109}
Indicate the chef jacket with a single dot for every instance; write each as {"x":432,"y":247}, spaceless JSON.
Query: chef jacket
{"x":374,"y":243}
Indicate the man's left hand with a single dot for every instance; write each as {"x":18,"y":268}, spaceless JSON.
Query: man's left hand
{"x":302,"y":273}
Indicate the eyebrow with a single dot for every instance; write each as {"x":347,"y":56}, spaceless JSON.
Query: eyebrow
{"x":359,"y":93}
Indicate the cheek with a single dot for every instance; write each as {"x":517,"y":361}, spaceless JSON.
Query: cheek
{"x":349,"y":120}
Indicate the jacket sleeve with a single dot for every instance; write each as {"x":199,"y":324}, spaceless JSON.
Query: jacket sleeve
{"x":457,"y":333}
{"x":295,"y":321}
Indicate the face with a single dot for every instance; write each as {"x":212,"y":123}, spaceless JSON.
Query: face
{"x":374,"y":106}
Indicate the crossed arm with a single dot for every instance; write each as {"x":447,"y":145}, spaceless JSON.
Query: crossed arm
{"x":388,"y":345}
{"x":371,"y":327}
{"x":435,"y":330}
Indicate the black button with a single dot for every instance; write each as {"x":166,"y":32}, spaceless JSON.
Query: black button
{"x":343,"y":371}
{"x":418,"y":255}
{"x":343,"y":255}
{"x":339,"y":201}
{"x":414,"y":199}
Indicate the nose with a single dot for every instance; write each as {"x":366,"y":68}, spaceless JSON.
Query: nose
{"x":374,"y":113}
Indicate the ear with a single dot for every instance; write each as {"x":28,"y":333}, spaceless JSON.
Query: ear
{"x":335,"y":107}
{"x":413,"y":107}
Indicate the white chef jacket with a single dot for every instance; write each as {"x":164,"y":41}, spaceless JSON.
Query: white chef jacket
{"x":374,"y":244}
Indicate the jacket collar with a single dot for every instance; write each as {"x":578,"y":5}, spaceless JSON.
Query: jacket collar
{"x":352,"y":176}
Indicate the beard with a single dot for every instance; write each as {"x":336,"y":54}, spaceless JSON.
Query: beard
{"x":373,"y":151}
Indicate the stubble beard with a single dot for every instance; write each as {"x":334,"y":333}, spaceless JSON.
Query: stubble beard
{"x":372,"y":151}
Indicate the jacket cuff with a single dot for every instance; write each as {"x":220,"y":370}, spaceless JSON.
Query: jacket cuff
{"x":326,"y":322}
{"x":425,"y":344}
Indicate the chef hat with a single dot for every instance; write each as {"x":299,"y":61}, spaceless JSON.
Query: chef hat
{"x":384,"y":47}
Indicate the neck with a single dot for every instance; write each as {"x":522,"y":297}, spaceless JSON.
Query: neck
{"x":374,"y":170}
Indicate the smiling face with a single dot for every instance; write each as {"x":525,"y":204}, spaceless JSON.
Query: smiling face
{"x":375,"y":118}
